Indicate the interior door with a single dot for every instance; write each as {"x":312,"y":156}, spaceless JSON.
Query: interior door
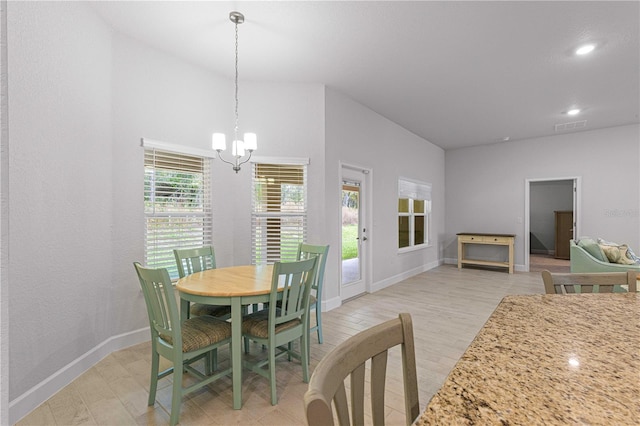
{"x":354,"y":233}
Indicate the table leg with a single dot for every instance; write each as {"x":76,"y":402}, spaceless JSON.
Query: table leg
{"x":511,"y":257}
{"x":184,"y":310}
{"x":236,"y":351}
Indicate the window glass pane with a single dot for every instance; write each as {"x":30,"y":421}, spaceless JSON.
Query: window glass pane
{"x":403,"y":234}
{"x":418,"y":230}
{"x":418,"y":206}
{"x":403,"y":205}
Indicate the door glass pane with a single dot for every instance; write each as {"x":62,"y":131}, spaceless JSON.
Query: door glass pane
{"x":418,"y":206}
{"x":350,"y":229}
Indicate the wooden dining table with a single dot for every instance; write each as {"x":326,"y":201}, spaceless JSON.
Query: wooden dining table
{"x":235,"y":286}
{"x":548,"y":360}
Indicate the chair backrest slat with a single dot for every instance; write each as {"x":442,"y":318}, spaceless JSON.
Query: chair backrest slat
{"x":342,"y":407}
{"x":357,"y":395}
{"x":378,"y":376}
{"x":192,"y":260}
{"x":598,"y":282}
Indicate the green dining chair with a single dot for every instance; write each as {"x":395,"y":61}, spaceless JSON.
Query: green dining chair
{"x":278,"y":327}
{"x":306,"y":251}
{"x":193,"y":260}
{"x":182,"y":344}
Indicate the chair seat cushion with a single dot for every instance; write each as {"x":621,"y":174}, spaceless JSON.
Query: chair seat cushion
{"x":257,"y":324}
{"x":199,"y":309}
{"x":200,"y":332}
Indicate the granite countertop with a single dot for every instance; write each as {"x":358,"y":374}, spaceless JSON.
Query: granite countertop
{"x":548,"y":360}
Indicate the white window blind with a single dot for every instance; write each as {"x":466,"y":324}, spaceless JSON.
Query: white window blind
{"x":177,"y":205}
{"x":413,"y":189}
{"x":279,"y":211}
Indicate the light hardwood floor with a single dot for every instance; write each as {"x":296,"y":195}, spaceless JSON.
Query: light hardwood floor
{"x":448,"y":307}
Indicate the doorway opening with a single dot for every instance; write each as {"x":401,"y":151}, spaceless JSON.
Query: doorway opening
{"x":552,"y":220}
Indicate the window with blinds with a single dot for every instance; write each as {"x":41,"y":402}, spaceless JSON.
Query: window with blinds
{"x":177,"y":205}
{"x":279,"y":211}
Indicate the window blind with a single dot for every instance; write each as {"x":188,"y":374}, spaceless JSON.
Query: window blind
{"x":177,"y":205}
{"x":413,"y":189}
{"x":279,"y":211}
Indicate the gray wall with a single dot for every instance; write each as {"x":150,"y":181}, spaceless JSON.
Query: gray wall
{"x":485,"y":185}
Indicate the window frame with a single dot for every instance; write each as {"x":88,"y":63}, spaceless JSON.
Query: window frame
{"x":262,"y":241}
{"x":158,"y":247}
{"x":413,"y":190}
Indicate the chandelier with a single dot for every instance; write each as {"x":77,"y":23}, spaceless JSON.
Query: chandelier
{"x":249,"y":142}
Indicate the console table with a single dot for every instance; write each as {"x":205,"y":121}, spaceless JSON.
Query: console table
{"x":490,"y":239}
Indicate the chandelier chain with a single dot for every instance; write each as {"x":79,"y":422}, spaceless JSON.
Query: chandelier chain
{"x":236,"y":82}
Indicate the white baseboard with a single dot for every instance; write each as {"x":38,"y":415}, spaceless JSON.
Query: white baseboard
{"x":28,"y":401}
{"x":330,"y":304}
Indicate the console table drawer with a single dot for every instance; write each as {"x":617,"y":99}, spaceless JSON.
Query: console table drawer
{"x":471,"y":238}
{"x":501,"y":240}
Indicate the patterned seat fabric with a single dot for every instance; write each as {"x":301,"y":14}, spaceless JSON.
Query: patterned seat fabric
{"x":200,"y":332}
{"x":257,"y":324}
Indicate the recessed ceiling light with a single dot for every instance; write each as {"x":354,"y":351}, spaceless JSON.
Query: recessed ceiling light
{"x":585,"y":49}
{"x":574,"y":111}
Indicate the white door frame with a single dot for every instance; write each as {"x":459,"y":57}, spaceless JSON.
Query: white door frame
{"x":577,"y":210}
{"x":364,"y":285}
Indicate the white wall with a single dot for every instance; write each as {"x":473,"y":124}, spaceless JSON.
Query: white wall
{"x":485,"y":185}
{"x":357,"y":135}
{"x":60,"y":188}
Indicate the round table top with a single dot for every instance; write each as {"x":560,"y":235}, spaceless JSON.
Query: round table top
{"x":233,"y":281}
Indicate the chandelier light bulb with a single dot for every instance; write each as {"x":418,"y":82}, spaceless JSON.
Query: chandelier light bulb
{"x":218,"y":142}
{"x":250,"y":141}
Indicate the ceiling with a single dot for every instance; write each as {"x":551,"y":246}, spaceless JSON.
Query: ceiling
{"x":457,"y":74}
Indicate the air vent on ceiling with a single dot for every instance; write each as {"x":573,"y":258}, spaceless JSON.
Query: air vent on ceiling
{"x":573,"y":125}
